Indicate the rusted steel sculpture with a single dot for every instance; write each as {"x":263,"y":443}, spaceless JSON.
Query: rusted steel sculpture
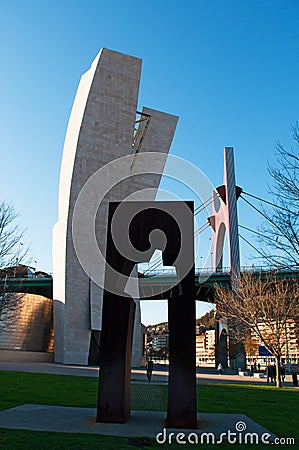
{"x":135,"y":231}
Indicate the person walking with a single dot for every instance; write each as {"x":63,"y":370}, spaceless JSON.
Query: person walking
{"x":219,"y":369}
{"x":149,"y":369}
{"x":282,"y":372}
{"x":268,"y":371}
{"x":272,"y":373}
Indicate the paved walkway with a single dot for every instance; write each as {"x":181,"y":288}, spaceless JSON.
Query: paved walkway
{"x":141,"y":423}
{"x":160,"y":374}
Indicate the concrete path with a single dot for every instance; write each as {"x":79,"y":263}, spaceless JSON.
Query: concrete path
{"x":160,"y":374}
{"x":141,"y":423}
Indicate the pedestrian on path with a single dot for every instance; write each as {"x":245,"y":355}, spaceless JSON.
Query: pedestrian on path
{"x":149,"y":369}
{"x":268,"y":371}
{"x":282,"y":372}
{"x":219,"y":369}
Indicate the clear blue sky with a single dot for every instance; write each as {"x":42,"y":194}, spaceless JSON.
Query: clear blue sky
{"x":229,"y":70}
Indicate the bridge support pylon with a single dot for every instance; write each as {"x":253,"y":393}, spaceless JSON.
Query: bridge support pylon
{"x":224,"y":222}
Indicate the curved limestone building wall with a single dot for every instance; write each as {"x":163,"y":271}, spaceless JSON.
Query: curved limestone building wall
{"x":100,"y":130}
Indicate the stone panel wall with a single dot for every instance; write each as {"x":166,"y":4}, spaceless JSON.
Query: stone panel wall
{"x":100,"y":130}
{"x":32,"y":327}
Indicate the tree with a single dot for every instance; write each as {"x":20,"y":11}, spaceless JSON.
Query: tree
{"x":12,"y":250}
{"x":250,"y":346}
{"x":281,"y":231}
{"x":12,"y":253}
{"x":260,"y":307}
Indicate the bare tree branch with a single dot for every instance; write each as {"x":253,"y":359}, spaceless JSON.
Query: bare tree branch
{"x":281,"y":231}
{"x":12,"y":250}
{"x":259,"y":309}
{"x":12,"y":253}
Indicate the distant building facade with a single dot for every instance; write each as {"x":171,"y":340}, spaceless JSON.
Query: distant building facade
{"x":205,"y":348}
{"x":290,"y":339}
{"x":160,"y":341}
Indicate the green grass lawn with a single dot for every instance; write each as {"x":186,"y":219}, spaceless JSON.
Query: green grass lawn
{"x":276,"y":409}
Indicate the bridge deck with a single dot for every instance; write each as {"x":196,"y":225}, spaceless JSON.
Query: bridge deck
{"x":31,"y":285}
{"x":204,"y":282}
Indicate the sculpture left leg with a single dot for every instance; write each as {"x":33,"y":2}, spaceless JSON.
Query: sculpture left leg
{"x":114,"y":398}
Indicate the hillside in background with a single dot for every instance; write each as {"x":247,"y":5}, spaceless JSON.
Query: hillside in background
{"x":206,"y":321}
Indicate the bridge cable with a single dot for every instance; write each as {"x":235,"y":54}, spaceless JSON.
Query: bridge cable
{"x":203,"y":207}
{"x":264,"y":256}
{"x":156,"y":259}
{"x":269,"y":239}
{"x":273,"y":223}
{"x":201,"y":229}
{"x":153,"y":267}
{"x":264,"y":215}
{"x":153,"y":263}
{"x":203,"y":203}
{"x":265,"y":201}
{"x":156,"y":262}
{"x":258,"y":251}
{"x":256,"y":232}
